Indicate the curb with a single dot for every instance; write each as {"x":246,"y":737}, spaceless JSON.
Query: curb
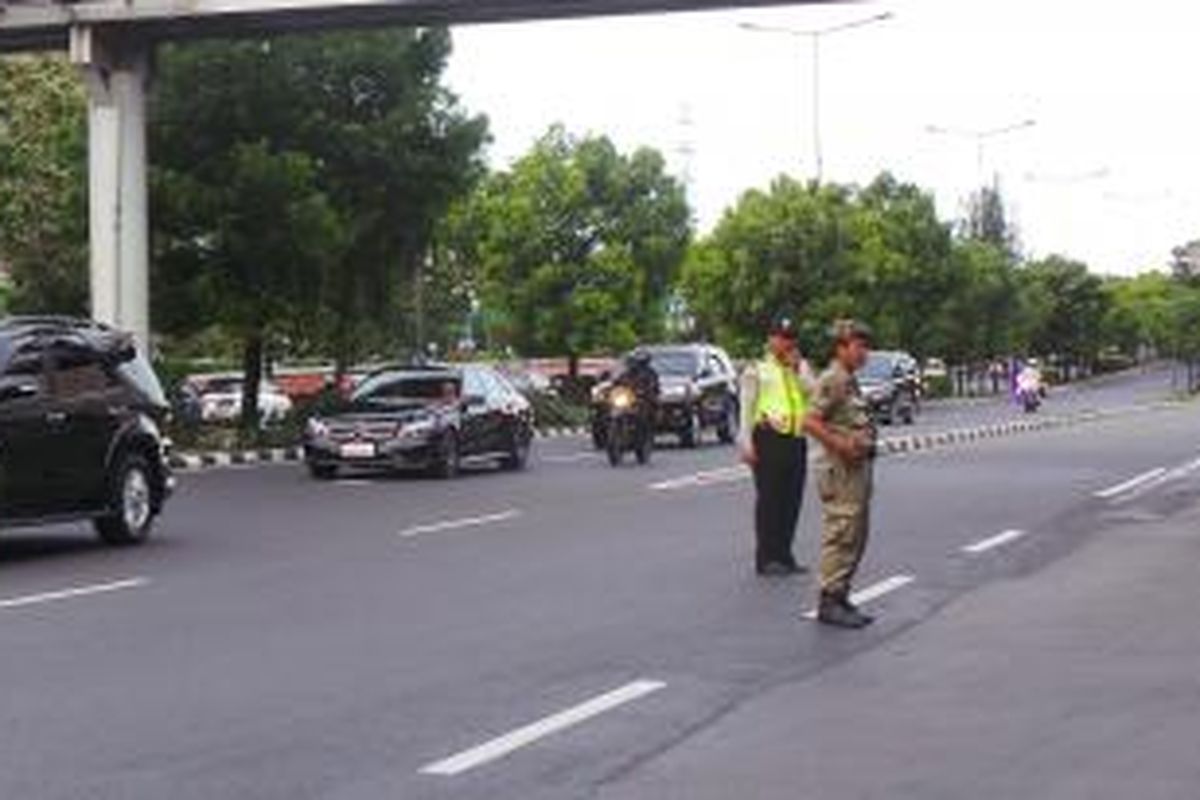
{"x":193,"y":462}
{"x":900,"y":445}
{"x":199,"y":461}
{"x":931,"y":441}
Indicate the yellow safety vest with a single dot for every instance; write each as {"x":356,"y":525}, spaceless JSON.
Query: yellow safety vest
{"x":782,"y":403}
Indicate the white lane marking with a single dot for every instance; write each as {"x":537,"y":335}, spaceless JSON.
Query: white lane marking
{"x":569,"y":459}
{"x":1132,"y":483}
{"x":991,"y":543}
{"x":706,"y":478}
{"x":1175,"y":474}
{"x":523,"y":737}
{"x":67,"y":594}
{"x":874,"y":591}
{"x":456,"y":524}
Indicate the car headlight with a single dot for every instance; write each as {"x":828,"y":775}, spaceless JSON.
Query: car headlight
{"x":678,"y":392}
{"x":422,"y":427}
{"x":316,"y":428}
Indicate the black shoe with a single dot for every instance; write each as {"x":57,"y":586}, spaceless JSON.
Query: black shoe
{"x":837,"y":612}
{"x":856,"y":610}
{"x":780,"y":569}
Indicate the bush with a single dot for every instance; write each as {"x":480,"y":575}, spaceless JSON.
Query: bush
{"x":938,"y":387}
{"x":551,"y":411}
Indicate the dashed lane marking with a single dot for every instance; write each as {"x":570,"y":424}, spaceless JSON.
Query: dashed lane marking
{"x":74,"y":592}
{"x":1132,"y":483}
{"x":874,"y":591}
{"x":992,"y":542}
{"x":458,"y":524}
{"x":523,"y":737}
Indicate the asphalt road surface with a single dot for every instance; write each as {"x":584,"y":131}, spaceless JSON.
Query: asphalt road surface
{"x":582,"y":632}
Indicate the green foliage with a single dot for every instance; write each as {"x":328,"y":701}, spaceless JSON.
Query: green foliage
{"x":297,"y":183}
{"x":576,"y":246}
{"x":43,"y":184}
{"x":1070,"y":304}
{"x":818,"y":251}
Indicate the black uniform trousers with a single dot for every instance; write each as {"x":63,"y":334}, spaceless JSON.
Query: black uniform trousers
{"x":779,"y":477}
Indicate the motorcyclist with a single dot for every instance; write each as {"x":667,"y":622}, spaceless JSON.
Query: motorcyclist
{"x":1030,"y":378}
{"x":640,"y":376}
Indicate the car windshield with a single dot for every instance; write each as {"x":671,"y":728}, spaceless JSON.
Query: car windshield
{"x":675,"y":362}
{"x":877,"y":368}
{"x":394,"y":389}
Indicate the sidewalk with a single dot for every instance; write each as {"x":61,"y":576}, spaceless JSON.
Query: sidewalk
{"x":1080,"y":681}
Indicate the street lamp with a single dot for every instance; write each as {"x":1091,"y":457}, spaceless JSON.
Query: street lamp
{"x":981,"y":137}
{"x":814,"y":36}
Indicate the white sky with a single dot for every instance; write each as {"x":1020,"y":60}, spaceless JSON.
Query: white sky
{"x":1111,"y":86}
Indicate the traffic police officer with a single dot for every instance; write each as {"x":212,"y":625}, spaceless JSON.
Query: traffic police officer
{"x":840,"y":421}
{"x":774,"y":401}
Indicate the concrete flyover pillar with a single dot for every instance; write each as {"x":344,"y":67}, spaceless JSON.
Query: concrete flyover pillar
{"x":117,"y":68}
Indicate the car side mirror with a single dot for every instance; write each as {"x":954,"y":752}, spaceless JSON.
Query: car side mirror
{"x":474,"y":401}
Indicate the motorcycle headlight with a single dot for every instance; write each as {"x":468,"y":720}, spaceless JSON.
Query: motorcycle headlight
{"x":598,"y":393}
{"x":316,"y":428}
{"x":621,"y":399}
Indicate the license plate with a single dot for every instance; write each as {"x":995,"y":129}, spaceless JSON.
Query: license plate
{"x":358,"y":450}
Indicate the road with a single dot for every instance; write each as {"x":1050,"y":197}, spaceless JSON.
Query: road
{"x":580,"y":632}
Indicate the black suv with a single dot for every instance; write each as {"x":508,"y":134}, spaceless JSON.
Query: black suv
{"x":427,"y":417}
{"x":80,"y":410}
{"x":698,"y":390}
{"x":891,"y":383}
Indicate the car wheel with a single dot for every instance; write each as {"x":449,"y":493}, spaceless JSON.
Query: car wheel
{"x":518,"y":456}
{"x":448,"y":461}
{"x":689,"y":437}
{"x":728,"y":428}
{"x":132,"y":501}
{"x":323,"y":472}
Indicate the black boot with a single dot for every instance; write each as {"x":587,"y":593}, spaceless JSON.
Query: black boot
{"x":836,"y":610}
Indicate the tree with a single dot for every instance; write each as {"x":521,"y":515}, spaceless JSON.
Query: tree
{"x":981,"y":314}
{"x":782,"y":250}
{"x":1185,"y":262}
{"x":43,"y":184}
{"x":987,"y":221}
{"x":577,"y":246}
{"x":1071,"y":324}
{"x":297,"y":182}
{"x":819,"y":251}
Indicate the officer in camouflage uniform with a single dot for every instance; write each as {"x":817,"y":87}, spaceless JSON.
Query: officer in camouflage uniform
{"x":840,"y":421}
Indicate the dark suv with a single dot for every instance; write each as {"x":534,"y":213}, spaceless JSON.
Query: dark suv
{"x":698,"y":390}
{"x":426,"y":417}
{"x":891,"y":384}
{"x":80,"y":410}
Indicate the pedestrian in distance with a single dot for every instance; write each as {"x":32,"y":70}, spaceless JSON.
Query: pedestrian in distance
{"x":840,"y":421}
{"x":774,"y":400}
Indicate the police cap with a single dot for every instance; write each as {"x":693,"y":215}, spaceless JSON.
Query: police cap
{"x":783,"y":325}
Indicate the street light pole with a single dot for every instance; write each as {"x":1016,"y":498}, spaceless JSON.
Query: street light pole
{"x":814,"y":38}
{"x":981,"y":137}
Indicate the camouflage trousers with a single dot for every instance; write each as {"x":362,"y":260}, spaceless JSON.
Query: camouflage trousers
{"x":846,"y":517}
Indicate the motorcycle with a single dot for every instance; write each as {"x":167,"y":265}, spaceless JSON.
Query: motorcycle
{"x":626,"y":430}
{"x":1029,"y":394}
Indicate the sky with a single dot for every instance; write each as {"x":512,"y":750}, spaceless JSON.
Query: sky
{"x":1108,"y":173}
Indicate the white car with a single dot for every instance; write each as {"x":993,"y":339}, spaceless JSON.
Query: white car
{"x":221,"y":400}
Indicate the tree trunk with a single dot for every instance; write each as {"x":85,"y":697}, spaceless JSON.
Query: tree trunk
{"x":573,"y":367}
{"x":252,"y":370}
